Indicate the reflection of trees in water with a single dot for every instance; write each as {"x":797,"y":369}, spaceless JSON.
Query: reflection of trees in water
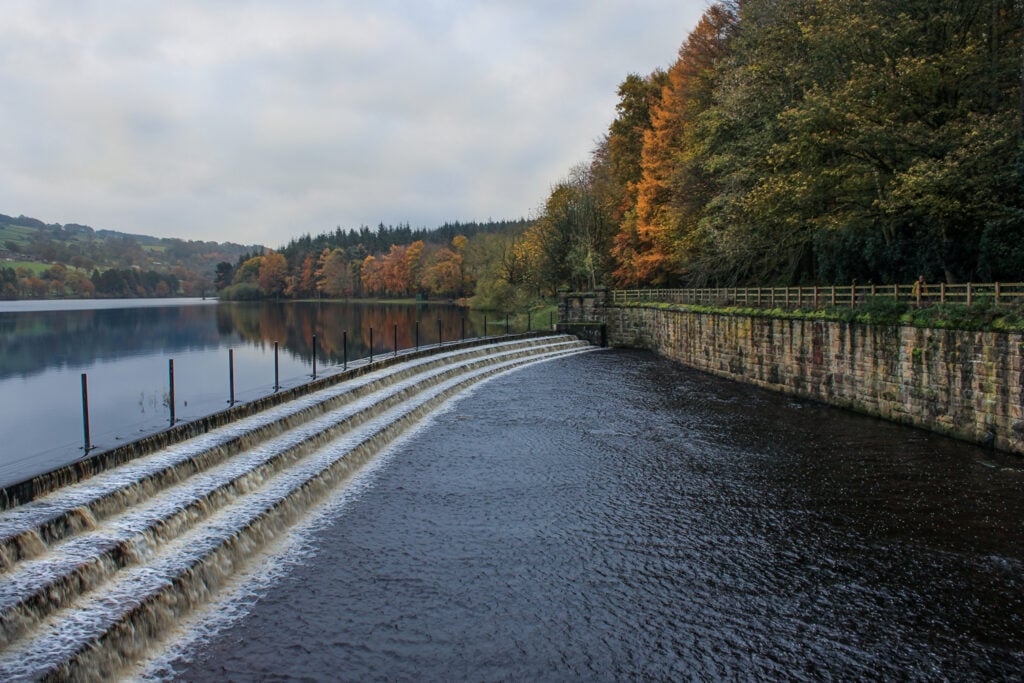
{"x":383,"y":323}
{"x":37,"y":340}
{"x":293,"y":325}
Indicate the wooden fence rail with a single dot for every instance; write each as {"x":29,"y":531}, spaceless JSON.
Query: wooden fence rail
{"x":1001,"y":293}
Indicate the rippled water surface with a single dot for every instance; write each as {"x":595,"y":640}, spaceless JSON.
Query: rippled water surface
{"x":613,"y":516}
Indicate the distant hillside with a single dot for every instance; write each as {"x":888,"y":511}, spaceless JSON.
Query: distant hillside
{"x":38,"y":259}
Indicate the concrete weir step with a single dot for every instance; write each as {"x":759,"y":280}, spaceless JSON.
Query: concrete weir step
{"x":91,"y":573}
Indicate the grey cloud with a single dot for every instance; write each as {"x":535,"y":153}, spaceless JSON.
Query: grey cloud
{"x":257,"y":121}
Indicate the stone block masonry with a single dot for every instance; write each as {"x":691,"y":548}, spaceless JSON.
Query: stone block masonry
{"x":966,"y":384}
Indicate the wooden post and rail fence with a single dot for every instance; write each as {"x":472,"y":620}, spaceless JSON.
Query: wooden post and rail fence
{"x":829,"y":296}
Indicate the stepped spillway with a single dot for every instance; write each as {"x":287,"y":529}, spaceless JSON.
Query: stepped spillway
{"x":95,"y":572}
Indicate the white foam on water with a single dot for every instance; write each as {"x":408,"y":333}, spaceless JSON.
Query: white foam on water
{"x":22,"y":518}
{"x":294,"y":548}
{"x":263,"y":571}
{"x":272,"y":503}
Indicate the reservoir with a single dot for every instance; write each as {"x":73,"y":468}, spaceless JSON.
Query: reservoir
{"x":124,"y":347}
{"x":613,"y":516}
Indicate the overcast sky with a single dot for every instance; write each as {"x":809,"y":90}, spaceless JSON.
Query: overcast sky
{"x":256,"y":122}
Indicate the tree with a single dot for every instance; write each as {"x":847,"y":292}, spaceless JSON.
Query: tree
{"x":335,"y":277}
{"x":459,"y":244}
{"x":657,"y":243}
{"x":8,"y":283}
{"x":616,"y":165}
{"x":223,"y":274}
{"x":498,"y":273}
{"x":304,"y":283}
{"x":394,"y":271}
{"x":272,"y":272}
{"x":414,"y":264}
{"x":372,"y":276}
{"x":80,"y":286}
{"x":871,"y":140}
{"x":616,"y":168}
{"x":248,"y":272}
{"x":570,"y":242}
{"x":443,"y":274}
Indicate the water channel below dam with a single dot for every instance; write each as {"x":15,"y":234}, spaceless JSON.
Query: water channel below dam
{"x":613,"y":516}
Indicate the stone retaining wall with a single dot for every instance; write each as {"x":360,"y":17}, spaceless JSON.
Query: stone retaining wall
{"x":962,"y":383}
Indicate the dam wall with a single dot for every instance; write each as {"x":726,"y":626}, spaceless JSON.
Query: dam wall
{"x":963,"y":383}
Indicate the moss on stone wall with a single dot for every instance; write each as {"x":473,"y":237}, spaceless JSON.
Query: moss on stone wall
{"x":877,"y":311}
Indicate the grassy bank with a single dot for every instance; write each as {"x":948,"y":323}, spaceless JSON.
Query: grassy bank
{"x":982,"y":315}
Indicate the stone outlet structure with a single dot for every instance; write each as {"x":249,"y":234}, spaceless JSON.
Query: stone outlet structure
{"x":966,"y":384}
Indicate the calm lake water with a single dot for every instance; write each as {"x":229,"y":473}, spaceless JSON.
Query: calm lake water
{"x":124,"y":347}
{"x":613,"y":516}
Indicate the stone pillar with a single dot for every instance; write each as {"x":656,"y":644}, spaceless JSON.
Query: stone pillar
{"x":583,"y":314}
{"x":564,"y":305}
{"x":582,"y":307}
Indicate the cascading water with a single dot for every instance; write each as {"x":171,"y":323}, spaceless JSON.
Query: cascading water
{"x":95,"y":571}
